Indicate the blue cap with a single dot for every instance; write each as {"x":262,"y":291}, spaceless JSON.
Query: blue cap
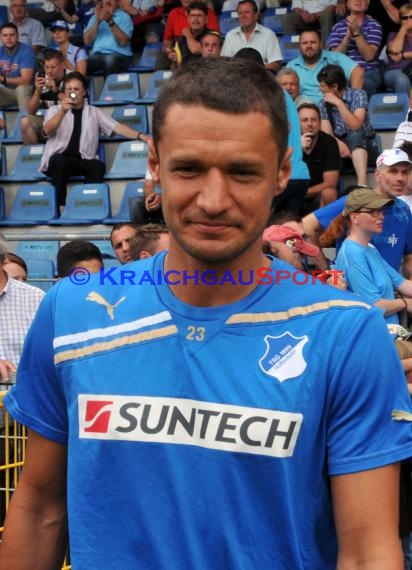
{"x":59,"y":24}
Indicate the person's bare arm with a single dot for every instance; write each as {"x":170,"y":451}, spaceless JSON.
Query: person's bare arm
{"x":357,"y":77}
{"x":366,"y":516}
{"x":274,"y":66}
{"x":130,"y":133}
{"x":25,"y":78}
{"x":330,"y":180}
{"x":407,"y":266}
{"x":5,"y":368}
{"x":313,"y":229}
{"x":35,"y":534}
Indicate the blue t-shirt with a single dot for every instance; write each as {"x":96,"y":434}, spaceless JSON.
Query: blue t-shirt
{"x":22,"y":58}
{"x":309,"y":85}
{"x":393,"y":242}
{"x":105,"y":41}
{"x":299,"y":167}
{"x":205,"y":437}
{"x":368,"y":274}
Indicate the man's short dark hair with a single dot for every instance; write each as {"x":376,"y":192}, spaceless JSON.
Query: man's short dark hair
{"x":251,"y":2}
{"x":317,"y":32}
{"x":121,"y":225}
{"x":70,"y":254}
{"x":197,"y":5}
{"x":311,"y":106}
{"x":75,"y":75}
{"x":49,"y":54}
{"x":331,"y":75}
{"x":145,"y":239}
{"x":406,"y":146}
{"x":229,"y":85}
{"x":9,"y":25}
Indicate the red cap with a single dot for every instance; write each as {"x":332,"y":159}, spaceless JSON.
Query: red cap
{"x":283,"y":233}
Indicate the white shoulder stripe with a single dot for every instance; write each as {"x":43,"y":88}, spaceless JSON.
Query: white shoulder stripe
{"x":105,"y":332}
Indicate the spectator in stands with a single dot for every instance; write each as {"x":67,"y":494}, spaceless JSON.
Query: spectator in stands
{"x":289,"y":80}
{"x":313,"y":58}
{"x":321,"y":154}
{"x":147,"y":16}
{"x":251,"y":34}
{"x":344,"y":115}
{"x":78,"y":254}
{"x":18,"y":305}
{"x":359,"y":36}
{"x":120,"y":238}
{"x":73,"y":128}
{"x":48,"y":91}
{"x":177,"y":22}
{"x":149,"y":240}
{"x":15,"y":267}
{"x":75,"y":57}
{"x":30,"y":31}
{"x":395,"y":242}
{"x":17,"y":64}
{"x":404,"y":130}
{"x":398,"y":72}
{"x":211,"y":44}
{"x":52,"y":10}
{"x":110,"y":31}
{"x":187,"y":47}
{"x":148,"y":210}
{"x":309,"y":15}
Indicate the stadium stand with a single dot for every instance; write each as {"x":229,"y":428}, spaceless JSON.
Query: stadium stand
{"x":34,"y":204}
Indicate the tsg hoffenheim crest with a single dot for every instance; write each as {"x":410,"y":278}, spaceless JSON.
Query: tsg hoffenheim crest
{"x":283,"y":358}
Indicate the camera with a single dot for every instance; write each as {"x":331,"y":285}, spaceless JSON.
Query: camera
{"x":41,"y":74}
{"x":73,"y":96}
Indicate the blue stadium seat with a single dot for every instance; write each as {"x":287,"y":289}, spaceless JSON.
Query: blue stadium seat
{"x":289,"y":46}
{"x":119,"y":89}
{"x":38,"y":249}
{"x":147,"y":61}
{"x":105,"y":246}
{"x":86,"y":204}
{"x":109,"y":263}
{"x":130,"y":161}
{"x":134,"y":116}
{"x":40,"y":269}
{"x":132,"y":190}
{"x":4,"y":16}
{"x":2,"y":204}
{"x":34,"y":204}
{"x":272,"y":19}
{"x":15,"y":135}
{"x":155,"y":82}
{"x":3,"y":132}
{"x":387,"y":110}
{"x":26,"y":167}
{"x":227,"y":21}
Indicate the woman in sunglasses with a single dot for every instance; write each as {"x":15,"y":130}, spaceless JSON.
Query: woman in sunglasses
{"x":399,"y":51}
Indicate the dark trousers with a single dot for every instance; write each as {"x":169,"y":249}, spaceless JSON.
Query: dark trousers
{"x":62,"y":167}
{"x":107,"y":63}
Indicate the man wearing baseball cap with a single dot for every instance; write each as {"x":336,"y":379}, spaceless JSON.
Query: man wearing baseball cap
{"x":395,"y":242}
{"x":289,"y":244}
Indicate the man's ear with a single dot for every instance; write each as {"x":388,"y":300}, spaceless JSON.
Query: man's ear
{"x":153,"y":162}
{"x":144,"y":254}
{"x":284,"y":172}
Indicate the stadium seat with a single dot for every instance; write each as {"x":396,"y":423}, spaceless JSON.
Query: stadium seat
{"x":289,"y":46}
{"x":155,"y":82}
{"x":86,"y":204}
{"x":387,"y":110}
{"x":134,"y":116}
{"x":3,"y":132}
{"x":26,"y":167}
{"x":132,"y":190}
{"x":272,"y":19}
{"x":130,"y":161}
{"x":105,"y":246}
{"x":4,"y":16}
{"x":147,"y":61}
{"x":15,"y":135}
{"x":38,"y":249}
{"x":109,"y":263}
{"x":40,"y":269}
{"x":227,"y":21}
{"x":119,"y":89}
{"x":34,"y":204}
{"x":2,"y":204}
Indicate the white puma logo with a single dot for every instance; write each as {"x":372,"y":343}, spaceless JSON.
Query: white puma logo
{"x":97,"y":298}
{"x":399,"y":415}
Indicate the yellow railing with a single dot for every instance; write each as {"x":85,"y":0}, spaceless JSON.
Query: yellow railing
{"x":13,"y":439}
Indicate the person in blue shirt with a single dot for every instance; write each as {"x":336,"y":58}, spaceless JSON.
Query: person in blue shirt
{"x":313,"y":58}
{"x":191,"y":403}
{"x":394,"y":243}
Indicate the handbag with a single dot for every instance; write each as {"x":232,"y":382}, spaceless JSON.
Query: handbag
{"x":152,"y":14}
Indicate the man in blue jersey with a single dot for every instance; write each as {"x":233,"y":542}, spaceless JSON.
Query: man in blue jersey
{"x":191,"y":404}
{"x":395,"y":242}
